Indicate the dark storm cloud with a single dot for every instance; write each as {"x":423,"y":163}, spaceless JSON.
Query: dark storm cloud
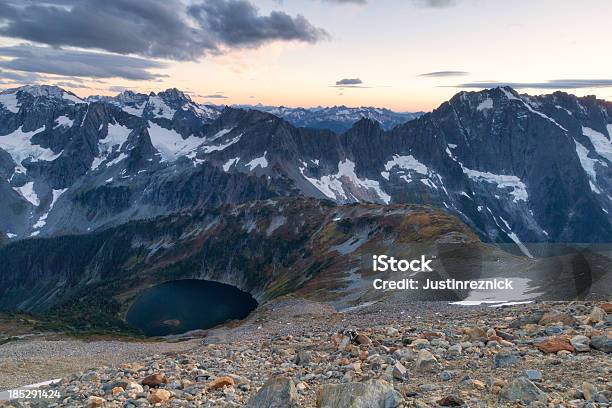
{"x":154,"y":28}
{"x":238,"y":23}
{"x":76,"y":63}
{"x":349,"y":81}
{"x":551,"y":84}
{"x":441,"y":74}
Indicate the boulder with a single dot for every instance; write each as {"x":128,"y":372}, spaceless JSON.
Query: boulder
{"x":159,"y":395}
{"x":399,"y":371}
{"x":93,"y":402}
{"x":475,"y":334}
{"x":581,"y":343}
{"x":451,"y":401}
{"x":557,"y":317}
{"x":534,"y":375}
{"x":425,"y":361}
{"x":155,"y":380}
{"x":363,"y":339}
{"x":505,"y":358}
{"x":221,"y":382}
{"x":602,"y":343}
{"x":597,"y":315}
{"x":555,"y":344}
{"x":305,"y":357}
{"x":371,"y":394}
{"x":277,"y":392}
{"x":522,"y":390}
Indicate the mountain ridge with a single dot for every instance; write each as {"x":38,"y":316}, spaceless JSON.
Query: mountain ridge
{"x":484,"y":156}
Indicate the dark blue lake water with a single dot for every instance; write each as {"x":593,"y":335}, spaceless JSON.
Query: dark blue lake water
{"x":179,"y":306}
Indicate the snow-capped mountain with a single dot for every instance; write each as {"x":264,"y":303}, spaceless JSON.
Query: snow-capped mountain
{"x":336,"y":118}
{"x":161,"y":105}
{"x":516,"y":168}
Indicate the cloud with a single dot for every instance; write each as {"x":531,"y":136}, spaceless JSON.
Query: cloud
{"x":19,"y":77}
{"x":346,"y":1}
{"x":237,"y":23}
{"x":421,"y":3}
{"x":550,"y":84}
{"x":77,"y":63}
{"x":214,"y":96}
{"x":441,"y":74}
{"x":435,"y":3}
{"x":71,"y":84}
{"x":117,"y":88}
{"x":349,"y":81}
{"x":169,"y":29}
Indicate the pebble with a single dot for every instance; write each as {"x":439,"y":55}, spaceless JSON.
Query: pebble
{"x":484,"y":359}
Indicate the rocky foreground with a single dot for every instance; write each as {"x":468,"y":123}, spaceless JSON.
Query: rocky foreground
{"x":294,"y":353}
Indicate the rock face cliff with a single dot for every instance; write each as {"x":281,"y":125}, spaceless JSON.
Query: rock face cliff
{"x":515,"y":168}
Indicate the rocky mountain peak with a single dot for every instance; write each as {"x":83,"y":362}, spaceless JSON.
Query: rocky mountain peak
{"x":366,"y":124}
{"x":173,"y":95}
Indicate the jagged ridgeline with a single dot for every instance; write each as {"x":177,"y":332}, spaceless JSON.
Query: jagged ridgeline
{"x":515,"y":168}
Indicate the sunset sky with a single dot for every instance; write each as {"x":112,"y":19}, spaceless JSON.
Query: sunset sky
{"x":406,"y":55}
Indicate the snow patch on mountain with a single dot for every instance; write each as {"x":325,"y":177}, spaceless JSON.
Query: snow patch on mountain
{"x":518,"y":188}
{"x":259,"y":161}
{"x":600,"y":142}
{"x":171,"y":144}
{"x":115,"y":138}
{"x":405,"y":163}
{"x":218,"y":135}
{"x":64,"y":121}
{"x":217,"y":148}
{"x":19,"y":145}
{"x":27,"y":192}
{"x":228,"y":164}
{"x":122,"y":156}
{"x":9,"y":101}
{"x":484,"y":105}
{"x":333,"y":186}
{"x":587,"y":163}
{"x":160,"y":109}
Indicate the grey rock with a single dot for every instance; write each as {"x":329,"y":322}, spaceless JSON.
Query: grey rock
{"x":425,"y":361}
{"x":505,"y":358}
{"x":534,"y":375}
{"x":371,"y":394}
{"x":581,"y":343}
{"x":523,"y":390}
{"x":277,"y":392}
{"x":602,"y":343}
{"x":399,"y":371}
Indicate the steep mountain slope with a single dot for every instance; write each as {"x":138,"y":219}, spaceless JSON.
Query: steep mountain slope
{"x":336,"y":118}
{"x":515,"y":168}
{"x":268,"y":248}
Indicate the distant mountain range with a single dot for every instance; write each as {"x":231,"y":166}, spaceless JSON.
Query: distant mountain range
{"x":336,"y":118}
{"x":515,"y":168}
